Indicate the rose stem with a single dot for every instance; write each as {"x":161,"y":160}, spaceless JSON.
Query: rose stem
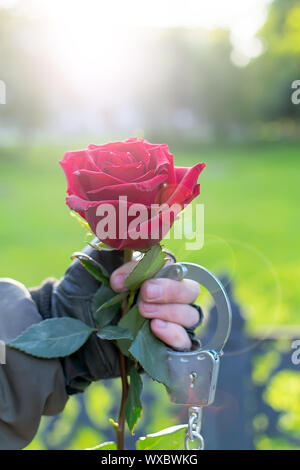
{"x":123,"y":371}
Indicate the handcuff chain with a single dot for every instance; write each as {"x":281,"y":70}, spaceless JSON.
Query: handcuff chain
{"x":194,"y":428}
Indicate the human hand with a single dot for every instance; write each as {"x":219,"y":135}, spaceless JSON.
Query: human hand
{"x":166,"y":303}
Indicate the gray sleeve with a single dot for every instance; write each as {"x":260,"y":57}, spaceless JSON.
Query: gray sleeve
{"x":29,"y":387}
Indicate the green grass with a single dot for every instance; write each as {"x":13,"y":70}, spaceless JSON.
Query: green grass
{"x":251,"y":197}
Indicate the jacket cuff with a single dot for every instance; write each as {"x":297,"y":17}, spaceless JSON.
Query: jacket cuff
{"x":42,"y":296}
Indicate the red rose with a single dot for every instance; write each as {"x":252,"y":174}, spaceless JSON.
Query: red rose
{"x":136,"y":171}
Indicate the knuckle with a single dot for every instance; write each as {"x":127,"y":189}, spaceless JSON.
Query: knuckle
{"x":171,"y":290}
{"x":154,"y":291}
{"x":164,"y":312}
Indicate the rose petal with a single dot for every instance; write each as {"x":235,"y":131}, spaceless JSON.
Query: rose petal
{"x":162,"y":162}
{"x":79,"y":204}
{"x":104,"y":157}
{"x":91,"y":180}
{"x":192,"y":173}
{"x":145,"y":176}
{"x":144,"y":191}
{"x":166,"y":193}
{"x":73,"y":161}
{"x":129,"y":172}
{"x":186,"y":185}
{"x":135,"y":146}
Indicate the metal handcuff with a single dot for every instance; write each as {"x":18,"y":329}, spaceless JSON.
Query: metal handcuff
{"x":194,"y":374}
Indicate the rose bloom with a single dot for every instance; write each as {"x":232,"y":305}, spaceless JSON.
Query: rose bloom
{"x":123,"y":176}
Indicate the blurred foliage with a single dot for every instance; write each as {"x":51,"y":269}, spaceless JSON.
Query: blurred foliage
{"x":281,"y":32}
{"x":264,"y":365}
{"x":283,"y":394}
{"x":260,"y":422}
{"x":271,"y":443}
{"x":269,"y":77}
{"x":84,"y":422}
{"x":24,"y":69}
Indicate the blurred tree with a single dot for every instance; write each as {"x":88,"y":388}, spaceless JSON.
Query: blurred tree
{"x":26,"y":70}
{"x":186,"y":80}
{"x":25,"y":104}
{"x":281,"y":32}
{"x":216,"y":82}
{"x":270,"y":76}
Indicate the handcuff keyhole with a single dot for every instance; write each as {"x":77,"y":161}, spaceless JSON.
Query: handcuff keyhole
{"x":193,"y":376}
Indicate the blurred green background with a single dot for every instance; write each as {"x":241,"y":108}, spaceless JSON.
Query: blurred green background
{"x":217,"y":91}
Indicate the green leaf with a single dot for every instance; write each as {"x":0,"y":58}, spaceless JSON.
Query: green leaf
{"x":101,"y":247}
{"x":133,"y":322}
{"x":112,"y":332}
{"x":151,"y":353}
{"x":116,"y":300}
{"x":82,"y":222}
{"x":107,"y":315}
{"x":105,"y":446}
{"x":84,"y":257}
{"x":169,"y":439}
{"x":56,"y":337}
{"x":130,"y":300}
{"x":150,"y":264}
{"x":94,"y":272}
{"x":133,"y":407}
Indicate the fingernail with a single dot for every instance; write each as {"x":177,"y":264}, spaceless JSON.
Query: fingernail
{"x":119,"y":281}
{"x":153,"y":290}
{"x":161,"y":323}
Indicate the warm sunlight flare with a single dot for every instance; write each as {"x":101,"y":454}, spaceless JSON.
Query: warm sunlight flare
{"x":86,"y":27}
